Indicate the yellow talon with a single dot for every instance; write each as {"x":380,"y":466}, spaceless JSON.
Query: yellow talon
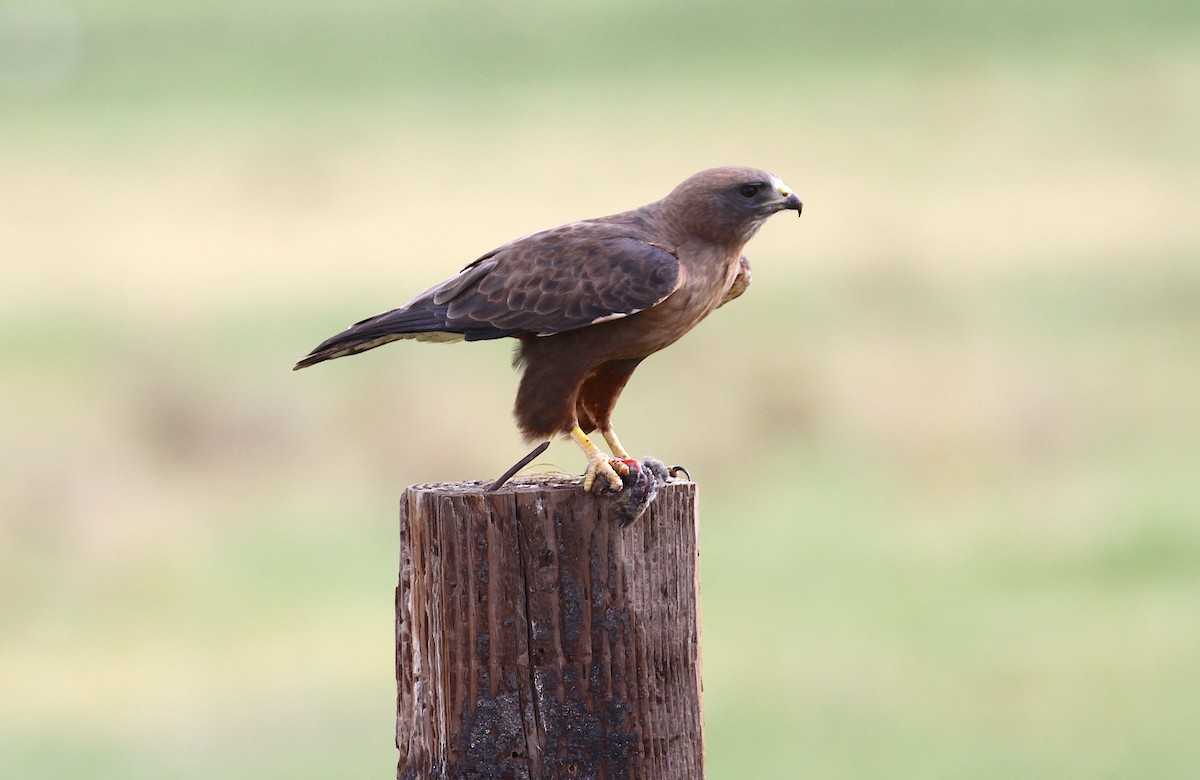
{"x":598,"y":464}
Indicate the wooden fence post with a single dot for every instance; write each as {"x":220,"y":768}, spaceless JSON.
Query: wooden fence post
{"x":536,"y":639}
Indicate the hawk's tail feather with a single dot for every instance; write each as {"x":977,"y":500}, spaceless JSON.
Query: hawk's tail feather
{"x":426,"y":321}
{"x":344,"y":345}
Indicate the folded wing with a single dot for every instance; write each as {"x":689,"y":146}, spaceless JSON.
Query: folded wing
{"x":550,"y":282}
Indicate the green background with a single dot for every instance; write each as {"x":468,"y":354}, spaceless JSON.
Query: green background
{"x":948,"y":442}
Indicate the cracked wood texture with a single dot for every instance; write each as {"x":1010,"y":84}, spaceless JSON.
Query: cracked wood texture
{"x":538,"y":640}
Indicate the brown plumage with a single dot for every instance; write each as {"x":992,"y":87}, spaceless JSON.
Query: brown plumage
{"x":590,"y":300}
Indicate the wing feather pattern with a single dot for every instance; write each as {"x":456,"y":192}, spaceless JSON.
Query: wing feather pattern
{"x":550,"y":282}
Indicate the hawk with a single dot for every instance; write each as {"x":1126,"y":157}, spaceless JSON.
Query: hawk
{"x":588,"y":301}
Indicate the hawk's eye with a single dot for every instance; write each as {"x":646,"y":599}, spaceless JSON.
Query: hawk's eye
{"x":750,"y":190}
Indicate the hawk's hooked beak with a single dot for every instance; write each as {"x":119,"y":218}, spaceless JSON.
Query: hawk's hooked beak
{"x":789,"y":199}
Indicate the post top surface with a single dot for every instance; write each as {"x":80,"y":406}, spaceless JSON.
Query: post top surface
{"x":540,"y":483}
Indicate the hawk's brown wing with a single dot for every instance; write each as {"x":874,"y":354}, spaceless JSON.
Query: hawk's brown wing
{"x":557,"y":280}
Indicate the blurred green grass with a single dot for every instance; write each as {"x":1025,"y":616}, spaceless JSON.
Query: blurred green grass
{"x":946,"y":443}
{"x":228,"y":53}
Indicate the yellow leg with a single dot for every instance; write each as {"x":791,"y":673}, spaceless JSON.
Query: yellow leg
{"x":614,"y":443}
{"x":598,"y":464}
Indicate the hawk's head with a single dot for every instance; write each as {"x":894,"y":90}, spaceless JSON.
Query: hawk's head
{"x":729,"y":205}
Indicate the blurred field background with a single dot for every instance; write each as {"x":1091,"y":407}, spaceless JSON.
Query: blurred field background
{"x":948,"y":443}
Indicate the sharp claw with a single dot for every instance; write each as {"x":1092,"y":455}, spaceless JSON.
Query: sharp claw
{"x":674,"y":472}
{"x":610,"y":474}
{"x":609,"y":470}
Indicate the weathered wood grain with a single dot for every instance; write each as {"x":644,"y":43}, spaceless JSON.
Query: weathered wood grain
{"x":538,"y":640}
